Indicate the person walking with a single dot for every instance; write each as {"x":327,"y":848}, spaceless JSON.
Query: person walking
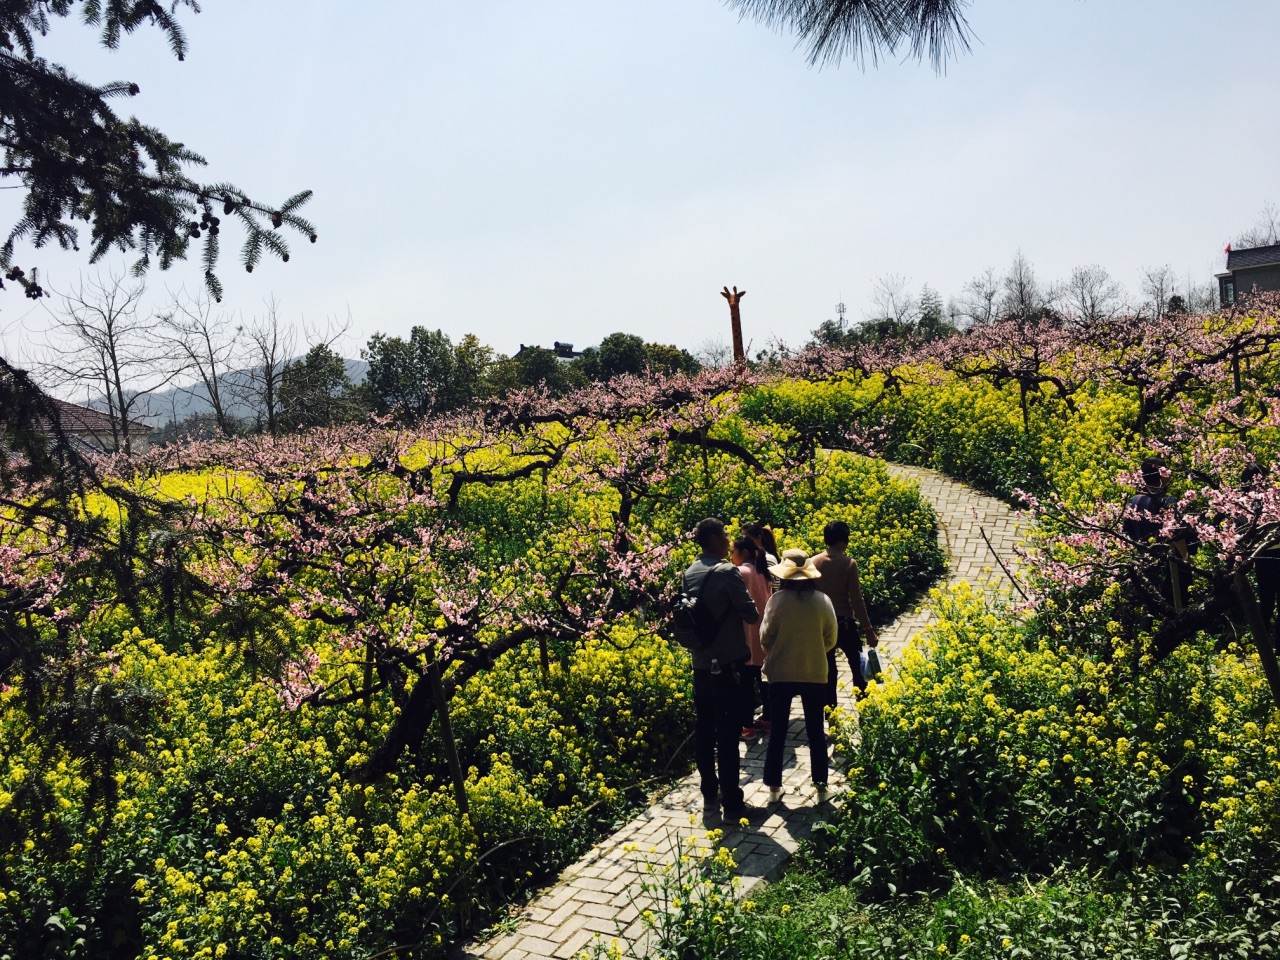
{"x":1266,"y":565}
{"x":1143,"y":522}
{"x":798,"y":630}
{"x":756,"y":691}
{"x":718,"y":680}
{"x":840,"y":583}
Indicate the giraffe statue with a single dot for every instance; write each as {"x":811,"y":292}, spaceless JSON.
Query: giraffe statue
{"x":735,"y":318}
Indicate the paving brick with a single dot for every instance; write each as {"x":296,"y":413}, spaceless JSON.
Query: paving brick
{"x":603,"y":925}
{"x":592,"y":896}
{"x":562,"y":913}
{"x":556,"y":895}
{"x":577,"y":941}
{"x":599,"y":910}
{"x":537,"y":947}
{"x":500,"y":949}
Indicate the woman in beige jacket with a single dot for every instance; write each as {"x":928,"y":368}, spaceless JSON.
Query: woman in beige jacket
{"x":798,"y":629}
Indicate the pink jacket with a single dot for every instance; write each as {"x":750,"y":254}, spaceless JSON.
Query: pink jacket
{"x":758,"y":587}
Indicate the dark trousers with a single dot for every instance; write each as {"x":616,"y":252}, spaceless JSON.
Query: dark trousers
{"x":1184,"y":583}
{"x":848,"y":642}
{"x":1267,"y":569}
{"x":717,"y":707}
{"x":755,"y":693}
{"x":813,"y":698}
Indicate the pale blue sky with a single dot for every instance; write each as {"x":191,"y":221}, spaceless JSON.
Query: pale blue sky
{"x":557,"y":170}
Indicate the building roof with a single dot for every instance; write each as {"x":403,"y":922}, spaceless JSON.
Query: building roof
{"x":1253,"y":257}
{"x":563,"y":351}
{"x":87,"y":420}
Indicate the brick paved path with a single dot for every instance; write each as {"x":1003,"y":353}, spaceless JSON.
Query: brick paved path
{"x":600,"y":894}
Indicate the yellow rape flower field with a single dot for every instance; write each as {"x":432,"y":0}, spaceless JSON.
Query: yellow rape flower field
{"x":233,"y":824}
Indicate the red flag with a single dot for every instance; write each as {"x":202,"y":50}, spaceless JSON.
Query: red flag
{"x":1227,"y":249}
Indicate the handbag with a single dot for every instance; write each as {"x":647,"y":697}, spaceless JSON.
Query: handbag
{"x":871,"y":664}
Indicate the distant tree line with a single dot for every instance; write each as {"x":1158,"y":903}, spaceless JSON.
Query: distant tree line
{"x":425,"y":374}
{"x":1089,"y":295}
{"x":266,"y":376}
{"x":428,"y":373}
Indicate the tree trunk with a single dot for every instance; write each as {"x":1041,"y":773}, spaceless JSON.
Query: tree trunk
{"x":408,"y":728}
{"x":1261,"y":635}
{"x":446,"y":736}
{"x":706,"y":460}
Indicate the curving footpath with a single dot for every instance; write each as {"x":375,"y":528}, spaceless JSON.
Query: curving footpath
{"x":601,"y":893}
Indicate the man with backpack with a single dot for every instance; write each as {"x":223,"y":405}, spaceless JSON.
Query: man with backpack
{"x":719,"y":649}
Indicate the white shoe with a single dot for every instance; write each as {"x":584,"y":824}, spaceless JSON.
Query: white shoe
{"x":775,"y":794}
{"x":823,"y":792}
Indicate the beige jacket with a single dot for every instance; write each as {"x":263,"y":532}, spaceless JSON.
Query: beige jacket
{"x":798,"y":629}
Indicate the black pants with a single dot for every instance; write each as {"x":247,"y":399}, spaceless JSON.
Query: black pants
{"x":848,"y":642}
{"x":812,"y":697}
{"x":1184,"y":584}
{"x":717,"y":706}
{"x":1267,"y":570}
{"x":755,"y":693}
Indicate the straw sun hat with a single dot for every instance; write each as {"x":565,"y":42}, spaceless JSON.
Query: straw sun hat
{"x":795,"y":565}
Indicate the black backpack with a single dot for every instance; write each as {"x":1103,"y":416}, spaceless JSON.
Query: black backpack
{"x":693,"y":625}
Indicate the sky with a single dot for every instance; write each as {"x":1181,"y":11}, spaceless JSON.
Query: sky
{"x":559,"y":170}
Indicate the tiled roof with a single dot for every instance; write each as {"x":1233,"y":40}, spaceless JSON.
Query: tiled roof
{"x":1253,"y":257}
{"x":87,"y":420}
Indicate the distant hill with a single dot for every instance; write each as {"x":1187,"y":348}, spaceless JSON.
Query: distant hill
{"x":179,"y":403}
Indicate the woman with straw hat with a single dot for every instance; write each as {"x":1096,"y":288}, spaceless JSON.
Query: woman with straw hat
{"x":798,"y":629}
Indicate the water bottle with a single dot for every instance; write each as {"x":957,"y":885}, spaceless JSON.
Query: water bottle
{"x":715,"y":667}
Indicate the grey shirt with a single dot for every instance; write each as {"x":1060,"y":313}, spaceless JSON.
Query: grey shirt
{"x":730,"y":604}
